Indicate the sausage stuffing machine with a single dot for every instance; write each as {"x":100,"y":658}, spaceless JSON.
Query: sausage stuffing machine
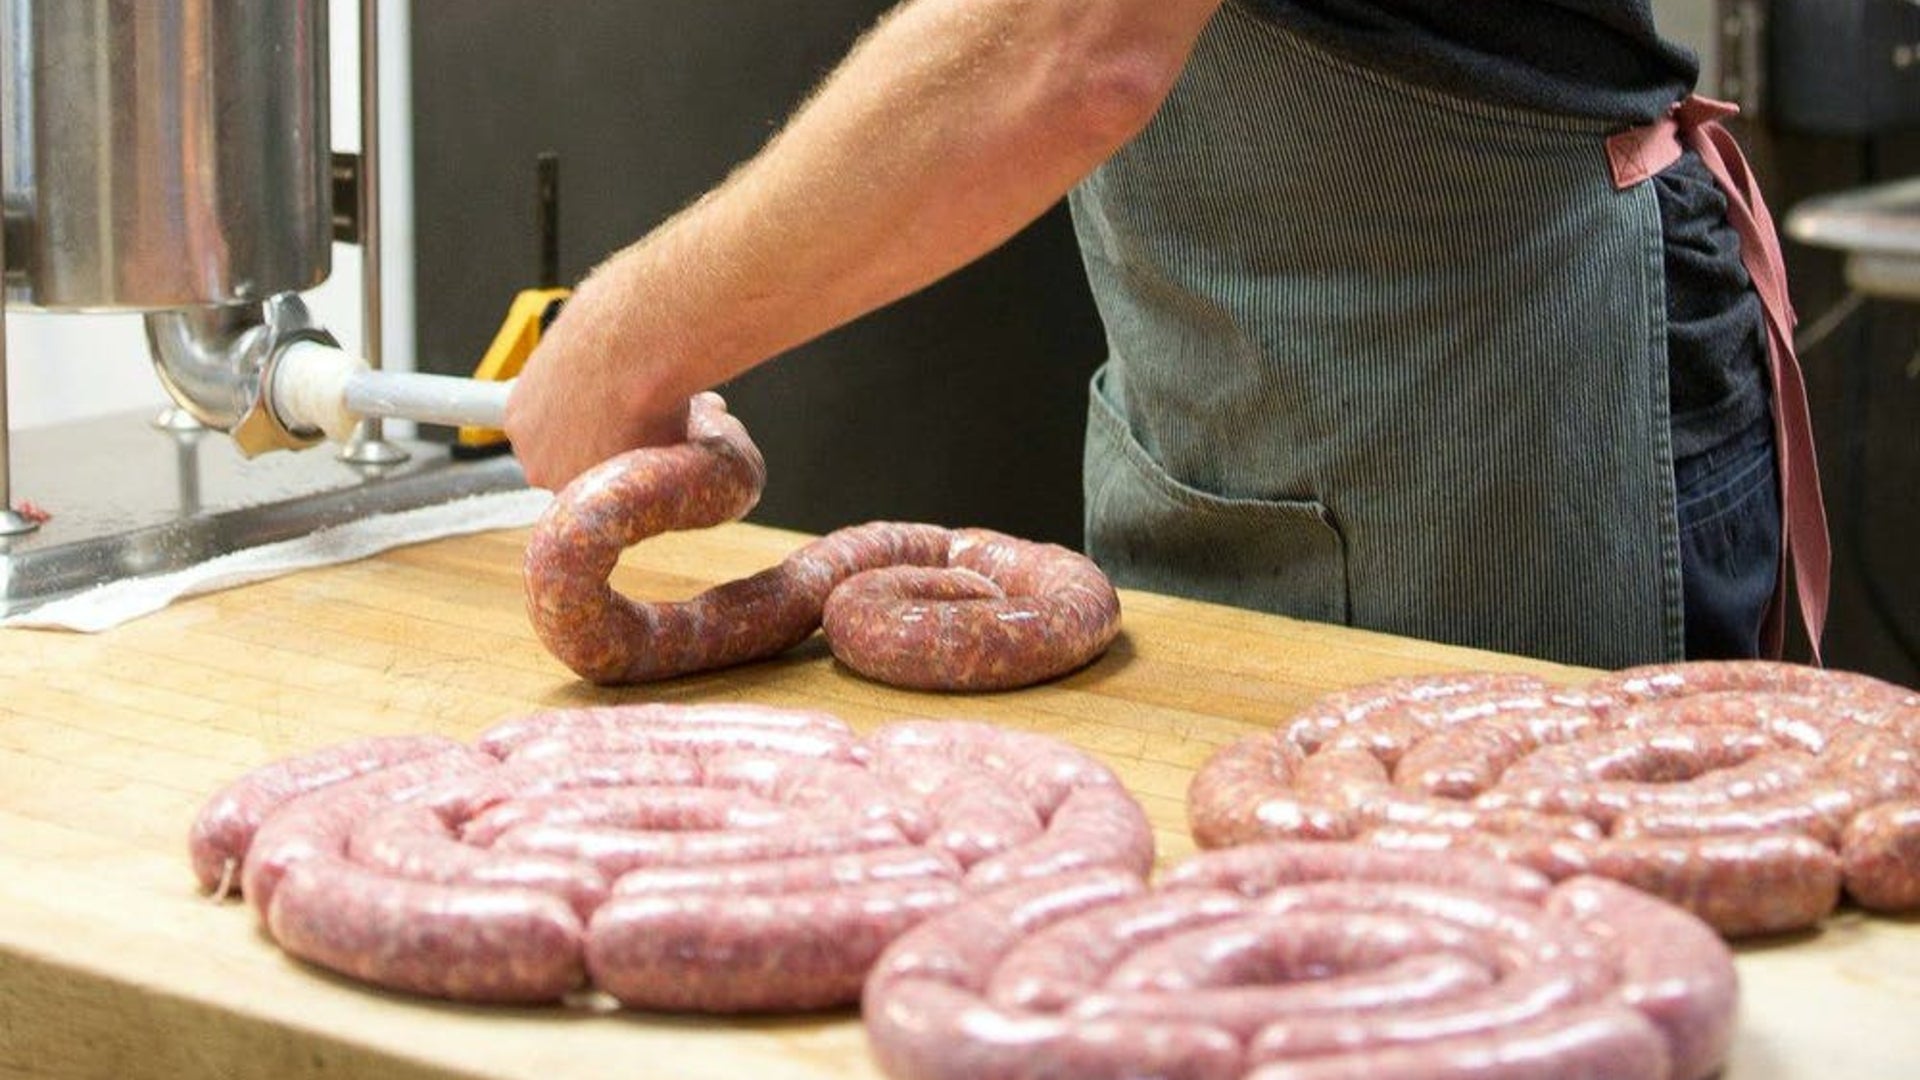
{"x":172,"y":158}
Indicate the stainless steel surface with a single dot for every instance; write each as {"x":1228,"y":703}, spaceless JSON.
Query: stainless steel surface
{"x":128,"y":500}
{"x":369,"y":445}
{"x":166,"y":153}
{"x":12,"y":522}
{"x":428,"y":399}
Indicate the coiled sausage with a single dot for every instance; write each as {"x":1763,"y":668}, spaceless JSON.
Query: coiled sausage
{"x":224,"y":828}
{"x":715,"y":858}
{"x":1315,"y":960}
{"x":1728,"y":788}
{"x":911,"y":605}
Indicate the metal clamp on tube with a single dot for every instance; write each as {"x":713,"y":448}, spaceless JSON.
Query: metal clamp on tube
{"x":214,"y":362}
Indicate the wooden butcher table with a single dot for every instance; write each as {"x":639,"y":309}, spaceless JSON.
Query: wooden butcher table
{"x":113,"y":965}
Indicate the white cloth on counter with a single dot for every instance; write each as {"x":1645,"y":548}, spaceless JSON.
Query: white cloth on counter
{"x":116,"y":602}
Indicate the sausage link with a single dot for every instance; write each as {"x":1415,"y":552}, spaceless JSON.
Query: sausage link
{"x":1606,"y":803}
{"x":414,"y":842}
{"x":1392,"y":982}
{"x":977,"y":814}
{"x":1046,"y":770}
{"x":1354,"y":782}
{"x":1880,"y":856}
{"x":224,"y":828}
{"x":920,"y":1029}
{"x":1262,"y":868}
{"x":1465,"y":761}
{"x":997,"y":613}
{"x":810,"y":873}
{"x":617,"y":852}
{"x":1242,"y":795}
{"x":639,"y":809}
{"x":1059,"y":965}
{"x":808,"y":784}
{"x":1343,"y":708}
{"x":1378,"y":806}
{"x":754,"y":952}
{"x":1674,"y":970}
{"x":1861,"y":695}
{"x":1390,"y":733}
{"x":1095,"y":827}
{"x":458,"y":942}
{"x":1600,"y":1040}
{"x":1877,"y":765}
{"x":1543,"y":967}
{"x":926,"y":1021}
{"x":1795,"y":720}
{"x":1741,"y":886}
{"x":1076,"y":814}
{"x":1324,"y":963}
{"x":321,"y":823}
{"x":1820,"y":811}
{"x":962,"y":947}
{"x":1658,"y":757}
{"x":714,"y":477}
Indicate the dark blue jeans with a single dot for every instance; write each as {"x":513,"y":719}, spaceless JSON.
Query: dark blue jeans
{"x":1729,"y":509}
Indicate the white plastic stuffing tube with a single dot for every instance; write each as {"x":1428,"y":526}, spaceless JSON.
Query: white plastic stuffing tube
{"x":319,"y":387}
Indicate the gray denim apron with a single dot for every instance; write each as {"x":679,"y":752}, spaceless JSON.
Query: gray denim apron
{"x":1383,"y":357}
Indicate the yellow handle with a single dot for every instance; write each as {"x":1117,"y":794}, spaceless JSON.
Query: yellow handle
{"x":519,"y":333}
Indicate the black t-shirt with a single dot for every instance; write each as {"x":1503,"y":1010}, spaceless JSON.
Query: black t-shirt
{"x":1601,"y":59}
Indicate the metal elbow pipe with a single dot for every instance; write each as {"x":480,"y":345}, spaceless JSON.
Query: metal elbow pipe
{"x":216,"y":362}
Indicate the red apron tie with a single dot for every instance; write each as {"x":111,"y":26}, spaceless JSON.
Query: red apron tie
{"x":1638,"y":154}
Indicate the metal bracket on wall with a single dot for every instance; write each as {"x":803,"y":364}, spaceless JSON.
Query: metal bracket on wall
{"x":1741,"y":77}
{"x":345,"y":172}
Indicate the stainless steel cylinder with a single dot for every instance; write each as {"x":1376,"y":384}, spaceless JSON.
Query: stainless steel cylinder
{"x":165,"y":153}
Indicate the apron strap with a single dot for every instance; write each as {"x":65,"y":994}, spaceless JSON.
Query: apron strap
{"x":1638,"y":154}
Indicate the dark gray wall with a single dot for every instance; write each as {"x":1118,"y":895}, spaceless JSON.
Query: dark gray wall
{"x":962,"y":405}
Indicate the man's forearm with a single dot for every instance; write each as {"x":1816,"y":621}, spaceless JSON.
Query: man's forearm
{"x":950,"y":127}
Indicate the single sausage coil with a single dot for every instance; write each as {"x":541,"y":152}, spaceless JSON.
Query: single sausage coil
{"x":718,"y":858}
{"x":1751,"y":793}
{"x":911,"y":605}
{"x":1306,"y":961}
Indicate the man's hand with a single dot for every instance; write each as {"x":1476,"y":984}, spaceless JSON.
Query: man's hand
{"x":580,"y":399}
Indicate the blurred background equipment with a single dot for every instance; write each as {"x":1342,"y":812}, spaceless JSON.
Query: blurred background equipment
{"x":171,"y":158}
{"x":1831,"y":91}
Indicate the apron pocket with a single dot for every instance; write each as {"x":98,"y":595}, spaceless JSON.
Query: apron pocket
{"x":1149,"y":531}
